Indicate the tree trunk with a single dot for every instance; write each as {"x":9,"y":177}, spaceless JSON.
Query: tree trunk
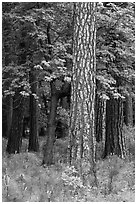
{"x":7,"y":110}
{"x":9,"y":114}
{"x":82,"y":136}
{"x":59,"y":89}
{"x":114,"y":143}
{"x":48,"y":148}
{"x":129,"y":109}
{"x":4,"y":118}
{"x":46,"y":104}
{"x":99,"y":117}
{"x":15,"y":136}
{"x":33,"y":138}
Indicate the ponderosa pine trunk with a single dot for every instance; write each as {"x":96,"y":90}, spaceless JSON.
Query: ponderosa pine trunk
{"x":33,"y":137}
{"x":114,"y":143}
{"x":15,"y":135}
{"x":82,"y":135}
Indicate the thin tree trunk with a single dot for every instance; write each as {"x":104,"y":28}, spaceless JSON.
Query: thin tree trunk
{"x":59,"y":89}
{"x":9,"y":114}
{"x":99,"y":113}
{"x":7,"y":109}
{"x":129,"y":109}
{"x":15,"y":136}
{"x":4,"y":117}
{"x":48,"y":148}
{"x":33,"y":138}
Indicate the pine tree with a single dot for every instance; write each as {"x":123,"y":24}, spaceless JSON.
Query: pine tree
{"x":82,"y":136}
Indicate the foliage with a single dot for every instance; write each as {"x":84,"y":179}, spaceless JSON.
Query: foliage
{"x":71,"y":178}
{"x":30,"y":32}
{"x":115,"y":40}
{"x":25,"y":40}
{"x":63,"y":116}
{"x":24,"y":179}
{"x":115,"y":45}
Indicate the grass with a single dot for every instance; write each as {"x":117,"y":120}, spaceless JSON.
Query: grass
{"x":24,"y":179}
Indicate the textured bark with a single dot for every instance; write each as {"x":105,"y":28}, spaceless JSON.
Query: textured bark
{"x":129,"y":109}
{"x":33,"y":138}
{"x":15,"y":136}
{"x":82,"y":136}
{"x":99,"y":121}
{"x":114,"y":143}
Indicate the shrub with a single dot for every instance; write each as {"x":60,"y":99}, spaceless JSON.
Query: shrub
{"x":72,"y":180}
{"x":129,"y":133}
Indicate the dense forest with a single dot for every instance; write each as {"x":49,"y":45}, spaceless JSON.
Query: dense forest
{"x":68,"y":101}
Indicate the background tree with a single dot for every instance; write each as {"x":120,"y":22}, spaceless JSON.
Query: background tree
{"x":15,"y":135}
{"x":115,"y":67}
{"x":33,"y":139}
{"x":114,"y":140}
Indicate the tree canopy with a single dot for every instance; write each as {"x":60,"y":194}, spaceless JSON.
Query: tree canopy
{"x":32,"y":29}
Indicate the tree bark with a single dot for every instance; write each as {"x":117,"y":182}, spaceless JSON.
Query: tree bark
{"x":4,"y":118}
{"x":48,"y":148}
{"x":99,"y":117}
{"x":33,"y":138}
{"x":129,"y":109}
{"x":59,"y":89}
{"x":7,"y":109}
{"x":9,"y":114}
{"x":15,"y":136}
{"x":114,"y":143}
{"x":82,"y":135}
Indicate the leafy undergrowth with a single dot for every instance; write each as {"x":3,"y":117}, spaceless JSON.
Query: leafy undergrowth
{"x":24,"y":179}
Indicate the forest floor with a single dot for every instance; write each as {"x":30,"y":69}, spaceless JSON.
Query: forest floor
{"x":25,"y":180}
